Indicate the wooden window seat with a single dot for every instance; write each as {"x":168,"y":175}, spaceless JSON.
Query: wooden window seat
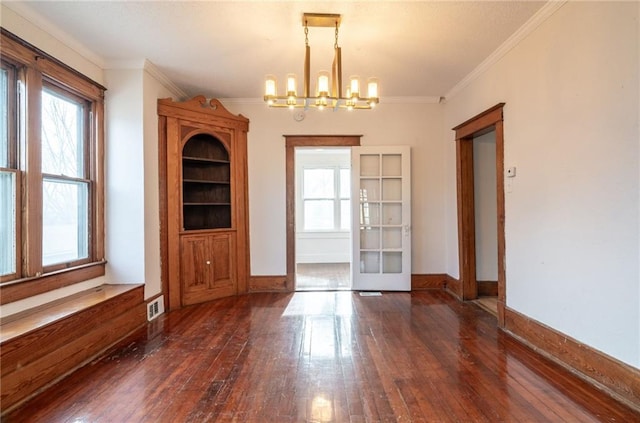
{"x":41,"y":345}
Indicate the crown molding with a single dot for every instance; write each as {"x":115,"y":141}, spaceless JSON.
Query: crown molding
{"x":383,"y":100}
{"x":538,"y":18}
{"x":151,"y":69}
{"x":410,"y":100}
{"x":154,"y":71}
{"x":236,"y":100}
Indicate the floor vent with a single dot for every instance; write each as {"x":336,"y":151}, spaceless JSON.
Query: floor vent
{"x":370,"y":294}
{"x":155,"y":308}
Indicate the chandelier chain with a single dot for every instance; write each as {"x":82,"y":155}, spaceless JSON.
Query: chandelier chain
{"x":306,"y":34}
{"x":335,"y":46}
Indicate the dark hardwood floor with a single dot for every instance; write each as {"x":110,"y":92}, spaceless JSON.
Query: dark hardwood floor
{"x":323,"y":357}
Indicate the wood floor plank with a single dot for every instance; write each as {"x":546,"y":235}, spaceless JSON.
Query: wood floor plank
{"x":323,"y":357}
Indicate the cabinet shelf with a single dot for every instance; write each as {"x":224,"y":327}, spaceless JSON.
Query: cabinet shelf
{"x":200,"y":181}
{"x":204,"y":160}
{"x":207,"y":204}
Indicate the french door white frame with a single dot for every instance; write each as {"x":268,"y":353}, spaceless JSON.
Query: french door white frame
{"x":381,"y":220}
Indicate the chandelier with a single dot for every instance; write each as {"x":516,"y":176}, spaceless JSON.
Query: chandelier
{"x":329,"y":92}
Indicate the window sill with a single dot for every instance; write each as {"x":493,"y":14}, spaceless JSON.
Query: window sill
{"x":29,"y":287}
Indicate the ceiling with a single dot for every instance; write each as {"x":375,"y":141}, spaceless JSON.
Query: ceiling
{"x":224,"y":49}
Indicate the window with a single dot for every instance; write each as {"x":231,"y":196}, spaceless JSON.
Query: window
{"x":326,"y":199}
{"x":51,"y":213}
{"x":8,"y":176}
{"x":65,"y":183}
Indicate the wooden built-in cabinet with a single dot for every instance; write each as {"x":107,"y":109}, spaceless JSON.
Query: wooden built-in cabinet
{"x":204,"y":202}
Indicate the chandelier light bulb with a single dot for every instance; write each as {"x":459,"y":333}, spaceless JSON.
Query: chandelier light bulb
{"x":323,"y":84}
{"x":354,"y":87}
{"x":270,"y":86}
{"x":291,"y":85}
{"x":372,"y":86}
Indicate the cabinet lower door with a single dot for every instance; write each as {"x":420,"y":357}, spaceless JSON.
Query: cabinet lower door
{"x":207,"y":265}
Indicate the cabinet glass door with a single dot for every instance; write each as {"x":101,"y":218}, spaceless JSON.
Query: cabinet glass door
{"x":381,"y":218}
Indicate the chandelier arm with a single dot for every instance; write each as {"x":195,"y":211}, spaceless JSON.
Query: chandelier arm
{"x":336,"y":70}
{"x":307,"y":71}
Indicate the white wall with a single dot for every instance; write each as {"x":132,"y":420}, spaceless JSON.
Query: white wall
{"x":416,"y":125}
{"x":124,"y":157}
{"x":153,"y":89}
{"x":571,"y":128}
{"x":485,"y":207}
{"x":132,"y":197}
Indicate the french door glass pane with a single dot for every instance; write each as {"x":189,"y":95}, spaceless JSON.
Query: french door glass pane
{"x":392,"y":165}
{"x":392,"y":238}
{"x":64,"y":221}
{"x":369,"y":214}
{"x":369,"y":262}
{"x":318,"y":183}
{"x":369,"y":190}
{"x":4,"y":119}
{"x":318,"y":215}
{"x":392,"y":213}
{"x":392,"y":189}
{"x":7,"y":223}
{"x":370,"y":165}
{"x":62,"y":141}
{"x":370,"y":238}
{"x":392,"y":262}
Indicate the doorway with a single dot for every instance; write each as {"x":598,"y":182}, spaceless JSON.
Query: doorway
{"x":293,"y":142}
{"x":323,"y":218}
{"x":381,"y":204}
{"x":485,"y":211}
{"x":468,"y":288}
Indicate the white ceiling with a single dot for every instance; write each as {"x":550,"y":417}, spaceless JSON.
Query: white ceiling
{"x":225,"y":48}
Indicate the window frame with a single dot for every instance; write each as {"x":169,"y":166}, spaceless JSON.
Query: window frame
{"x":87,"y":171}
{"x":12,"y":159}
{"x":34,"y":71}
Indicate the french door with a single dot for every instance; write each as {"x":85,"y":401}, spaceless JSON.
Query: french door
{"x":381,"y":220}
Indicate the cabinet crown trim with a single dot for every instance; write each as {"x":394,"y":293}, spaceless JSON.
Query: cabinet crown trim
{"x":199,"y":104}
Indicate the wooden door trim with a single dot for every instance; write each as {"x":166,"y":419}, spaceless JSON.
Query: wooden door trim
{"x":487,"y":121}
{"x":291,"y":142}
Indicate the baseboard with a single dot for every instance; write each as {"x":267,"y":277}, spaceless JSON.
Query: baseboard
{"x":268,"y":284}
{"x":487,"y":288}
{"x":279,"y":283}
{"x":620,"y":380}
{"x":453,"y":287}
{"x":428,"y":281}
